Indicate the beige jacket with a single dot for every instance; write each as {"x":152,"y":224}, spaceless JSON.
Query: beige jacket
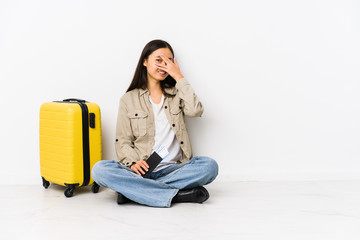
{"x":135,"y":130}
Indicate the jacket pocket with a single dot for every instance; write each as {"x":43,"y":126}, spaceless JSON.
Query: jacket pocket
{"x":138,"y":122}
{"x":177,"y":117}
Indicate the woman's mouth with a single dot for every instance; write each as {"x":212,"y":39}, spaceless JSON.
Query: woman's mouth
{"x":162,"y":73}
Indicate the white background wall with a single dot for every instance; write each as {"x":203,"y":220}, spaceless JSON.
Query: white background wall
{"x":279,"y":80}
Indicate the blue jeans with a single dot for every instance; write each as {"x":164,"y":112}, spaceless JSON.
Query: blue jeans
{"x":160,"y":187}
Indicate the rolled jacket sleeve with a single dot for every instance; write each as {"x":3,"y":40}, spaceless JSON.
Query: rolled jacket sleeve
{"x":192,"y":104}
{"x":124,"y":143}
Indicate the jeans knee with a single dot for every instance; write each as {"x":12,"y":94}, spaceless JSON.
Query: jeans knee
{"x":213,"y":169}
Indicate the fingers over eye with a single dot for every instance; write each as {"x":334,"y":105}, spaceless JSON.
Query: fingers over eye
{"x":160,"y":67}
{"x":165,"y":58}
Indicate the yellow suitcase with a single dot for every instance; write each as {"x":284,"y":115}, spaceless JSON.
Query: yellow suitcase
{"x":70,"y":143}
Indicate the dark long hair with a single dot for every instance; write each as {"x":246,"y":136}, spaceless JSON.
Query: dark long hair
{"x":140,"y":77}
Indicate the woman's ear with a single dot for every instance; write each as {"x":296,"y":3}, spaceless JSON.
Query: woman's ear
{"x":145,"y":63}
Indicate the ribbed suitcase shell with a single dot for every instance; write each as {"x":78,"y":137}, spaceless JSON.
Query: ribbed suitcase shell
{"x":61,"y":143}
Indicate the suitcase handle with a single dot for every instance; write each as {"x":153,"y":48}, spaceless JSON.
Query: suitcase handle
{"x":74,"y":100}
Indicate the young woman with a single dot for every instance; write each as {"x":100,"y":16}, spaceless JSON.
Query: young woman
{"x":151,"y":113}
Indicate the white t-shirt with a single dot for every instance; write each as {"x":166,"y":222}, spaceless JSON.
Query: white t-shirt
{"x":164,"y":135}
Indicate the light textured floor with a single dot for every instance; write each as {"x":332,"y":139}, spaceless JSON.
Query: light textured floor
{"x":240,"y":210}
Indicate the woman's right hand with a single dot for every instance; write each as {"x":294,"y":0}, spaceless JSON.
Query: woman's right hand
{"x":140,"y":167}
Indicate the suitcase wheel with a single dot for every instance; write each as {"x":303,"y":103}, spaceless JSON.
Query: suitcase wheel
{"x":46,"y":184}
{"x":95,"y":188}
{"x":69,"y":191}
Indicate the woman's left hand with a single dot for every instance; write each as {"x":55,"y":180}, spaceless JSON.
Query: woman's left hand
{"x":172,"y":68}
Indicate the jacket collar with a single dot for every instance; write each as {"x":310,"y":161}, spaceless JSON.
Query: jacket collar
{"x":171,"y":91}
{"x":142,"y":91}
